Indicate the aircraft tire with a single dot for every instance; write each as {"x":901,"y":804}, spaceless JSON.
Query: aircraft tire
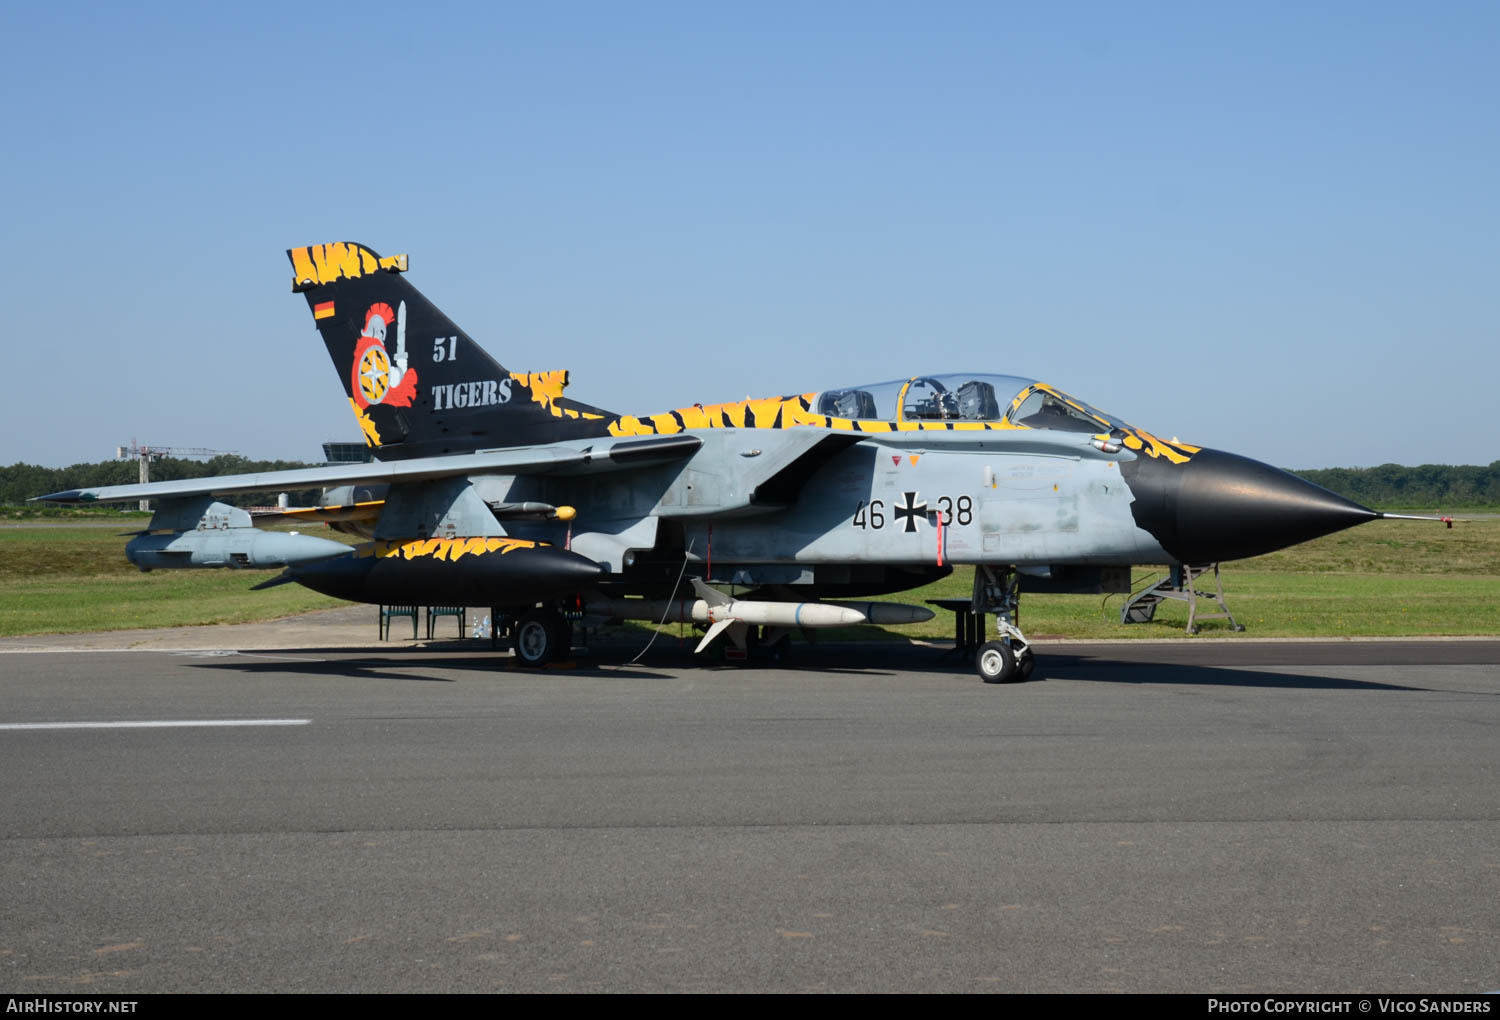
{"x":538,"y":637}
{"x":1025,"y":664}
{"x":996,"y":663}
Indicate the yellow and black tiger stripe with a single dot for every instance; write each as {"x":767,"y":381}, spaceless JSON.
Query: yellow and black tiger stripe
{"x":449,"y":550}
{"x":796,"y":411}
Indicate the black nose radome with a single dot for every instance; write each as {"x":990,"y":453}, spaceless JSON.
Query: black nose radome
{"x":1220,"y":506}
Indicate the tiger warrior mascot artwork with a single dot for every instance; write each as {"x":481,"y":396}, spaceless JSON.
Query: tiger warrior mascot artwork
{"x":376,"y":380}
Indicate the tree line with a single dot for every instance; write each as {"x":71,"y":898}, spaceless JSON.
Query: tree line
{"x":1430,"y":486}
{"x":20,"y":482}
{"x":1426,"y":486}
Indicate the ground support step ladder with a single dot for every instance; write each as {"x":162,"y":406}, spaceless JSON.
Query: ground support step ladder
{"x":1181,"y":584}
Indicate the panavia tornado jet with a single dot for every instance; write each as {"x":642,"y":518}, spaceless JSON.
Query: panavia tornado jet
{"x":490,"y":487}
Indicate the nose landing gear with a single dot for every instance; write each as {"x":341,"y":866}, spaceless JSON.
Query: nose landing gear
{"x":1009,"y":658}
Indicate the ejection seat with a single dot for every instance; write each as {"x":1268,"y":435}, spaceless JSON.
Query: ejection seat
{"x":856,"y":404}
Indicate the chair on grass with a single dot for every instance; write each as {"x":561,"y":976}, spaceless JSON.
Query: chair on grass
{"x":387,"y":613}
{"x":459,"y":612}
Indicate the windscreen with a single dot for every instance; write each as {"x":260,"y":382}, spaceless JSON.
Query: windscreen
{"x":1047,"y":408}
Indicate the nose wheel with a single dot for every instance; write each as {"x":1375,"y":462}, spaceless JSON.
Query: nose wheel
{"x":996,"y":663}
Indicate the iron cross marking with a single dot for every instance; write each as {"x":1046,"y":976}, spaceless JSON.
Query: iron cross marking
{"x":911,"y":511}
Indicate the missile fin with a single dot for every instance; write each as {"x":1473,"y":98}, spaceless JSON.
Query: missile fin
{"x":712,"y":596}
{"x":713,"y":631}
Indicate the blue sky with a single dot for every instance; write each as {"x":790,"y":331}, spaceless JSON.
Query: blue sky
{"x":1266,"y":230}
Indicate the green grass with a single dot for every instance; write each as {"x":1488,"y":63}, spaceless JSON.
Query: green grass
{"x":1400,"y":578}
{"x":87,"y":512}
{"x":60,"y":580}
{"x":1295,"y":605}
{"x":1423,"y":548}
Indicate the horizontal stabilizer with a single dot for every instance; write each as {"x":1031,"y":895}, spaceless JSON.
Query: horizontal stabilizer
{"x":229,"y":547}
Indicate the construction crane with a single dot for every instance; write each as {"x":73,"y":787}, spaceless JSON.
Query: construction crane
{"x":146,"y":454}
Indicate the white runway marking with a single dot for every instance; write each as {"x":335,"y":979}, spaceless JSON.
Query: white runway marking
{"x":152,"y":724}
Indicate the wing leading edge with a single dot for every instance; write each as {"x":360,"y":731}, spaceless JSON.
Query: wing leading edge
{"x":583,"y":457}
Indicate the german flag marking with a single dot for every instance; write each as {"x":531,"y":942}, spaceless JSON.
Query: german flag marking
{"x":323,"y":311}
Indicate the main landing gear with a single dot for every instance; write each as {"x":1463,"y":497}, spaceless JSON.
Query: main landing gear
{"x":1009,"y":658}
{"x":540,"y":636}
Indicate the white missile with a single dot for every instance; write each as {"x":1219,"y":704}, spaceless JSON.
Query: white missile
{"x":886,"y":613}
{"x":722,"y":612}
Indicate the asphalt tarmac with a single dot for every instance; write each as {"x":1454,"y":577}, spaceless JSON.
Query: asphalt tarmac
{"x":1185,"y":817}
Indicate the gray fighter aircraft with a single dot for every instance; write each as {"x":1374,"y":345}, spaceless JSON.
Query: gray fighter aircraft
{"x":490,"y":487}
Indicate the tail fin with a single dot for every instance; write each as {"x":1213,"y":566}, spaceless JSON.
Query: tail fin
{"x":417,"y":383}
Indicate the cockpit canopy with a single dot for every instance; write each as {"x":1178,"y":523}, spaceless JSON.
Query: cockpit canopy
{"x":1009,"y":399}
